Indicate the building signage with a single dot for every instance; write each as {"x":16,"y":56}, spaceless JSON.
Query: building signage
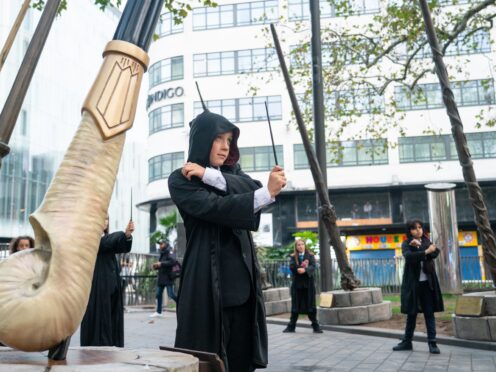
{"x":168,"y":93}
{"x":393,"y":241}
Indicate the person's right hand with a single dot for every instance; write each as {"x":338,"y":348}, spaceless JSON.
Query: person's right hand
{"x":431,"y":249}
{"x":277,"y":180}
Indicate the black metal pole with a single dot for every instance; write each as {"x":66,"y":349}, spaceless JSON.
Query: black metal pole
{"x":475,"y":193}
{"x":320,"y":140}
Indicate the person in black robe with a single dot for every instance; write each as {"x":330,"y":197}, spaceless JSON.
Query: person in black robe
{"x":302,"y":266}
{"x":420,"y":290}
{"x":220,"y":305}
{"x":164,"y":265}
{"x":103,"y":322}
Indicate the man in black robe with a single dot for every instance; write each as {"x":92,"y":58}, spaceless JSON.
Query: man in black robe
{"x":103,"y":322}
{"x":220,"y":305}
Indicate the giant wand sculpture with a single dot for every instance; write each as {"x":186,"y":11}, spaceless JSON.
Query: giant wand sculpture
{"x":327,"y":212}
{"x":44,"y":291}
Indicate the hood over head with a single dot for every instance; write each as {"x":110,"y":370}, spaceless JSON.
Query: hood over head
{"x":204,"y":129}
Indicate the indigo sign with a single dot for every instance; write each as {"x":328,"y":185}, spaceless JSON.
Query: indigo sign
{"x":164,"y":94}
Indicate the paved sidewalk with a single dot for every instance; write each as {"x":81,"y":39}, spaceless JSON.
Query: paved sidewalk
{"x":330,"y":351}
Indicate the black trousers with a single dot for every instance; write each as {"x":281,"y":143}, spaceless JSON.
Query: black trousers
{"x":425,"y":296}
{"x":294,"y":317}
{"x":238,"y":336}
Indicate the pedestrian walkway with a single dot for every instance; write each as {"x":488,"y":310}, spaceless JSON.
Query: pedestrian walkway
{"x":330,"y":351}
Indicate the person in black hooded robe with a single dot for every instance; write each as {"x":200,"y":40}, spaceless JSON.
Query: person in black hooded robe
{"x":220,"y":305}
{"x":103,"y":322}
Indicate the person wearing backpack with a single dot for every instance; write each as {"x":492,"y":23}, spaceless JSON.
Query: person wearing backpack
{"x":165,"y":278}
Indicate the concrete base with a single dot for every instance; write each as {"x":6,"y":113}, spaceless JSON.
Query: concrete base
{"x":475,"y":328}
{"x":277,"y":301}
{"x":481,"y":328}
{"x":358,"y":297}
{"x":100,"y":359}
{"x":355,"y":314}
{"x":489,"y":301}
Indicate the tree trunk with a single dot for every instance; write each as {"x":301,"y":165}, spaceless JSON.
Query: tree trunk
{"x":474,"y":190}
{"x":327,"y":213}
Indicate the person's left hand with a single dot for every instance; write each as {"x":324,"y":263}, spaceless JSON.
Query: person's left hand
{"x":129,"y":229}
{"x":301,"y":270}
{"x":192,"y":169}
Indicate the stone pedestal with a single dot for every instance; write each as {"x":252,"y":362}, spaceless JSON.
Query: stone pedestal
{"x":99,"y":359}
{"x":277,"y":301}
{"x":363,"y":305}
{"x":480,"y":328}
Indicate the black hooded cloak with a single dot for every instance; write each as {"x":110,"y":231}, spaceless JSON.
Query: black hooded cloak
{"x":305,"y":304}
{"x":103,"y":322}
{"x":220,"y":266}
{"x":410,"y":303}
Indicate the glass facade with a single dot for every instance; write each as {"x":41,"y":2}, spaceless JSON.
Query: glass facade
{"x":234,"y":15}
{"x":239,"y":110}
{"x":260,"y":158}
{"x":167,"y":26}
{"x":168,"y":69}
{"x":347,"y":153}
{"x":428,"y":96}
{"x":299,"y":10}
{"x":166,"y":117}
{"x":24,"y":180}
{"x":235,"y":62}
{"x":482,"y":145}
{"x":464,"y":44}
{"x":161,"y":166}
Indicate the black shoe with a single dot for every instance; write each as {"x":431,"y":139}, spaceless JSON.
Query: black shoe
{"x":403,"y":345}
{"x":316,"y":328}
{"x":289,"y":329}
{"x":433,"y":349}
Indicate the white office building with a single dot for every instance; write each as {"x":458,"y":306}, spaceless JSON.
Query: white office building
{"x":224,"y":50}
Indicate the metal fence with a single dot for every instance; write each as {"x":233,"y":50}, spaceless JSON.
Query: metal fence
{"x":385,"y":273}
{"x":139,"y":279}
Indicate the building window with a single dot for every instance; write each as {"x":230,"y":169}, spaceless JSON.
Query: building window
{"x":482,"y":145}
{"x":300,"y":160}
{"x":424,"y":148}
{"x":360,"y":152}
{"x":166,"y":117}
{"x":299,"y":10}
{"x":348,"y":102}
{"x":167,"y":25}
{"x":356,"y":101}
{"x":161,"y":166}
{"x":428,"y":96}
{"x":478,"y":42}
{"x":235,"y":62}
{"x":240,"y":110}
{"x":348,"y":153}
{"x":259,"y":159}
{"x":166,"y":70}
{"x":234,"y":15}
